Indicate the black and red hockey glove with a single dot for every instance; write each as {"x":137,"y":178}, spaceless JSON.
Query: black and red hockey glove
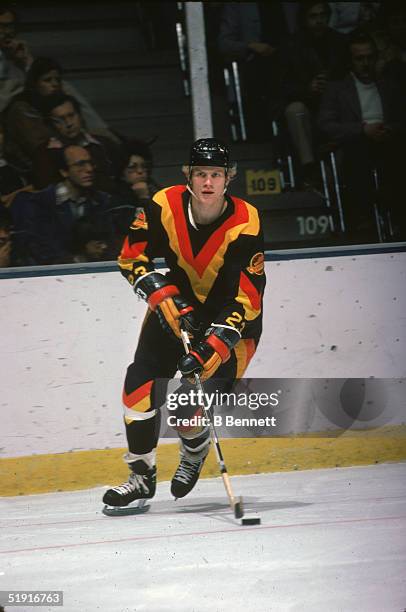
{"x":207,"y":356}
{"x":165,"y":300}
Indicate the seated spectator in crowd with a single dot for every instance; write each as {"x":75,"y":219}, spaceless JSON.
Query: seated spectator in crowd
{"x":15,"y":57}
{"x":10,"y":253}
{"x":45,"y":219}
{"x":348,"y":16}
{"x":135,"y":186}
{"x":90,"y":242}
{"x":366,"y":117}
{"x":16,"y":60}
{"x":251,"y":33}
{"x":249,"y":28}
{"x":24,"y":120}
{"x":11,"y":177}
{"x":67,"y":127}
{"x":312,"y":56}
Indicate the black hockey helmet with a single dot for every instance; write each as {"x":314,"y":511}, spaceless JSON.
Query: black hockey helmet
{"x":209,"y":152}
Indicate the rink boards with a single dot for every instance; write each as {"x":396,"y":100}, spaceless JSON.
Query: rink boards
{"x":67,"y":339}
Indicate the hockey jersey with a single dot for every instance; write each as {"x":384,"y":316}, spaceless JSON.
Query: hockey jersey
{"x":218,"y":267}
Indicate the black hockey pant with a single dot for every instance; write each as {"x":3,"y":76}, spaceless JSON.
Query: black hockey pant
{"x":156,"y":358}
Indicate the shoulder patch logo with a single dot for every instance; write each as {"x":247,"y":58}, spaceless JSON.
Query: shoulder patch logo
{"x":140,"y":220}
{"x":256,"y":264}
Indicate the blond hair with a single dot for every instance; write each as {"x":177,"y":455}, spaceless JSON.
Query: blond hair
{"x":231,"y":170}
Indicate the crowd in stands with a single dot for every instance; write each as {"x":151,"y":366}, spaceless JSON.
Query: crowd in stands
{"x":331,"y":74}
{"x":69,"y":186}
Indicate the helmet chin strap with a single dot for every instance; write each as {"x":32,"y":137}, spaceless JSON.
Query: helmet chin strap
{"x":188,"y":187}
{"x":190,"y":190}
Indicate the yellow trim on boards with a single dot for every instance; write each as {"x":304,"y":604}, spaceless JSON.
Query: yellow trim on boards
{"x":86,"y":469}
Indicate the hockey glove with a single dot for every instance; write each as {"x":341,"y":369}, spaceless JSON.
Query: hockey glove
{"x":164,"y":299}
{"x":207,"y":356}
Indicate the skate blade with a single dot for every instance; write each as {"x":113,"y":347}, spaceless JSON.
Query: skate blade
{"x":140,"y":508}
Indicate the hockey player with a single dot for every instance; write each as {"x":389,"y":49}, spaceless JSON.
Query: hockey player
{"x":213,"y":246}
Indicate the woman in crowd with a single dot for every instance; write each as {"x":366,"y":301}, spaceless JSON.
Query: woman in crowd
{"x":135,"y":186}
{"x":26,"y":127}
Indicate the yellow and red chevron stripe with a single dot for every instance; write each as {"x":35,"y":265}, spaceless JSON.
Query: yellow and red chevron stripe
{"x":140,"y":399}
{"x":244,"y":351}
{"x":249,"y":297}
{"x":203,"y":269}
{"x":132,"y":253}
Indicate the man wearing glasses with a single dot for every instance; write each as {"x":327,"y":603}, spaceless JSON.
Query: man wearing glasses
{"x":65,"y":119}
{"x":46,"y":220}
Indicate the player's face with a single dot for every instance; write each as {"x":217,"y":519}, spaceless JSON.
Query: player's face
{"x":208,"y":184}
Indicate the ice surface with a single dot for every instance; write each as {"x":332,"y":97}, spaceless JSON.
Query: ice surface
{"x":329,"y":540}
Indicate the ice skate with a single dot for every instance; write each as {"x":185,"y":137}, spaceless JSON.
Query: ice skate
{"x":141,"y":486}
{"x":188,"y":472}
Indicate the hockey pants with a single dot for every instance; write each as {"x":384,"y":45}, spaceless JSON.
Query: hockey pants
{"x":156,"y":358}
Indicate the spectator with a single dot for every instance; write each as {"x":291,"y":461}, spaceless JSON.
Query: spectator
{"x":10,"y":253}
{"x":251,"y":33}
{"x":135,"y":178}
{"x":16,"y":60}
{"x":348,"y":16}
{"x":366,"y":117}
{"x":313,"y":56}
{"x":15,"y":57}
{"x":66,"y":124}
{"x":89,"y":242}
{"x":46,"y":219}
{"x":249,"y":28}
{"x":135,"y":186}
{"x":26,"y":128}
{"x":11,"y":178}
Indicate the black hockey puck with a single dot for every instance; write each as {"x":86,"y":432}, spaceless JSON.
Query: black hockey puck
{"x":251,"y":520}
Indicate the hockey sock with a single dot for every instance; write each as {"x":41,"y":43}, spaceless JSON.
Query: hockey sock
{"x":142,"y":435}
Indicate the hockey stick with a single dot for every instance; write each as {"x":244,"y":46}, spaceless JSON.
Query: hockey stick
{"x":236,"y":503}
